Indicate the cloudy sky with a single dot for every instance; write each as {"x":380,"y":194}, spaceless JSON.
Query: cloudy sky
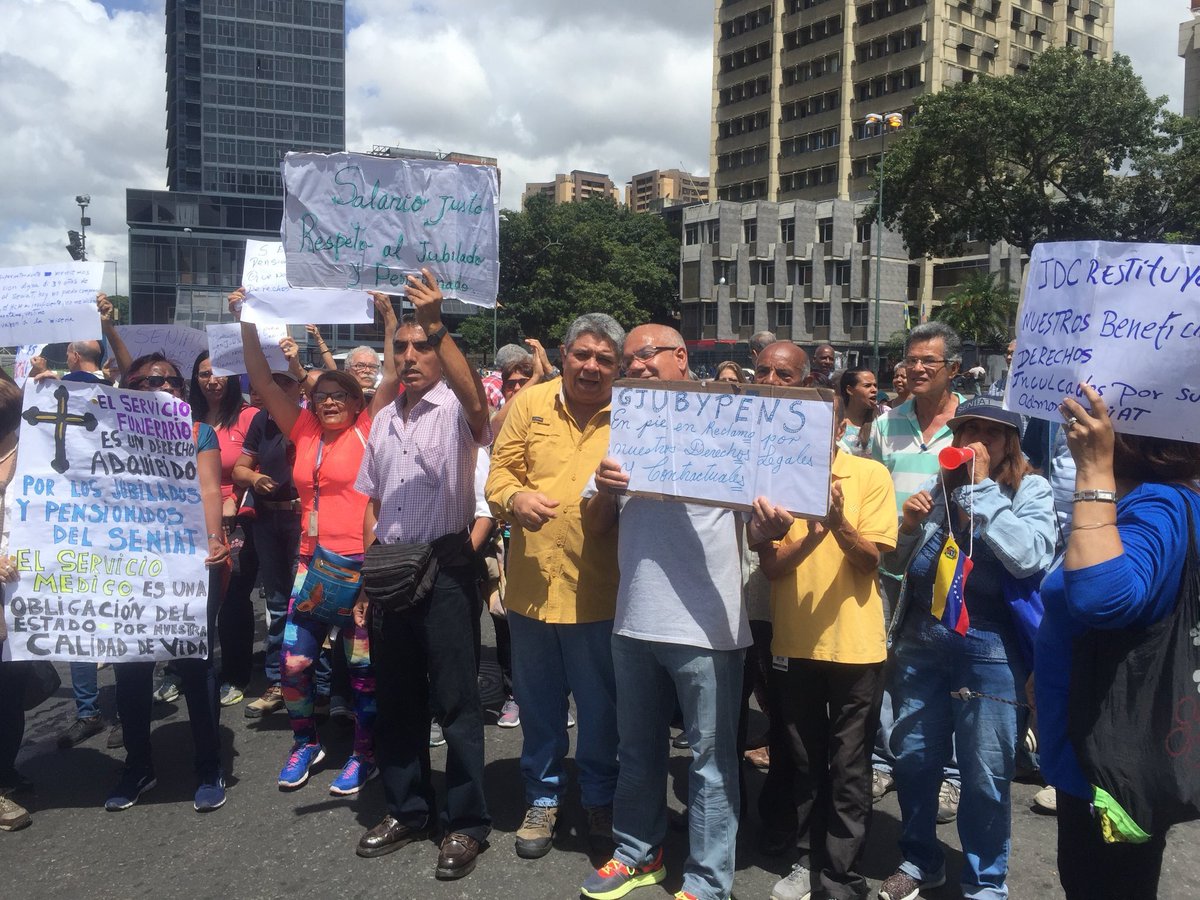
{"x":543,"y":85}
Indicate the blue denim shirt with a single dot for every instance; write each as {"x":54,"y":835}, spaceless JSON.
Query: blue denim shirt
{"x":1018,"y":529}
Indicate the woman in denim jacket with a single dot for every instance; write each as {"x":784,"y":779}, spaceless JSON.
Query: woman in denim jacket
{"x":1003,"y":519}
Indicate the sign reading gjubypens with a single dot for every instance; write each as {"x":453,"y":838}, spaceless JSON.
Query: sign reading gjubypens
{"x":366,"y":222}
{"x":1123,"y":318}
{"x":107,"y":529}
{"x":723,"y":444}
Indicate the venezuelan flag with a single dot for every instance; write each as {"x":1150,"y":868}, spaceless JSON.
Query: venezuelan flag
{"x":949,"y":587}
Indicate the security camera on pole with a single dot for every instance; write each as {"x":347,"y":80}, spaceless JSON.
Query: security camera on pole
{"x":78,"y":239}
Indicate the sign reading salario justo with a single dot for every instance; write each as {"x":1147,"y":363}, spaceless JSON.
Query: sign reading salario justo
{"x":352,"y":221}
{"x":106,"y":528}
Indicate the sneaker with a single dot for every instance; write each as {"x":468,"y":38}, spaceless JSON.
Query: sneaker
{"x":535,"y":837}
{"x":210,"y":796}
{"x":168,"y":689}
{"x":128,"y":790}
{"x":685,"y":895}
{"x":339,"y":708}
{"x":436,"y":738}
{"x":615,"y":879}
{"x":795,"y":885}
{"x":902,"y":886}
{"x":269,"y":702}
{"x":116,"y":737}
{"x":1046,"y":801}
{"x":600,"y":826}
{"x":295,"y":771}
{"x":79,"y":731}
{"x":510,"y":714}
{"x":355,"y":773}
{"x":231,"y":695}
{"x":947,"y":803}
{"x":680,"y":741}
{"x":13,"y":816}
{"x":881,"y":783}
{"x":570,"y":720}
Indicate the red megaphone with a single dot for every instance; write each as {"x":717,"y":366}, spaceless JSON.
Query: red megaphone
{"x":953,"y":457}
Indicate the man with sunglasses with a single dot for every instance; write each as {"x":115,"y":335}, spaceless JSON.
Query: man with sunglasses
{"x":418,"y":472}
{"x":562,"y":585}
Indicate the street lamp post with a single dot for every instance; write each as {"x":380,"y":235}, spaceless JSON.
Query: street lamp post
{"x":78,"y":239}
{"x":893,"y":120}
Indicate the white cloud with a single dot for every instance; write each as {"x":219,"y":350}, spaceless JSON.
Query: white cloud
{"x":1148,"y":34}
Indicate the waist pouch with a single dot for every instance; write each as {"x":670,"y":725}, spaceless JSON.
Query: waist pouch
{"x":400,"y":576}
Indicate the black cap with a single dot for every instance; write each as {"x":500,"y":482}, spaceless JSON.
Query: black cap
{"x":985,"y":408}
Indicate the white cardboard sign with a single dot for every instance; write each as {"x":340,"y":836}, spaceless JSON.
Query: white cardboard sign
{"x":178,"y":343}
{"x":225,"y":347}
{"x":50,"y":303}
{"x":24,"y":361}
{"x":1124,"y":318}
{"x":269,"y":298}
{"x":352,"y":221}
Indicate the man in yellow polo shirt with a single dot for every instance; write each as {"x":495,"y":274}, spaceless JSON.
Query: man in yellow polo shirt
{"x":826,"y":678}
{"x":562,"y":588}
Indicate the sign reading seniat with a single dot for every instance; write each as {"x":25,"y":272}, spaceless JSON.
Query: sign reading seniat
{"x":107,"y":529}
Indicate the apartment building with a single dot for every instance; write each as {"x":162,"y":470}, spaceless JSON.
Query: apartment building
{"x":572,"y":188}
{"x":1189,"y":49}
{"x":655,"y":190}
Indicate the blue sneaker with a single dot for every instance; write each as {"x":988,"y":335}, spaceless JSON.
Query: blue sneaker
{"x":131,"y":786}
{"x":354,"y":775}
{"x":295,"y":771}
{"x":615,"y":879}
{"x":210,"y":796}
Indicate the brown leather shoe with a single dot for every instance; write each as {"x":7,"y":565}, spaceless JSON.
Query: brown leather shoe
{"x":760,"y":758}
{"x":457,"y":856}
{"x":387,"y":836}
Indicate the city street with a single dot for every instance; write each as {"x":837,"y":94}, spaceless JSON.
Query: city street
{"x":266,"y":843}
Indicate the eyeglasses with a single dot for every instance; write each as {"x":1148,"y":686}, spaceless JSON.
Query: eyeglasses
{"x":645,"y":354}
{"x":360,"y":367}
{"x":419,"y":346}
{"x":338,"y":397}
{"x":156,"y":382}
{"x":925,"y":362}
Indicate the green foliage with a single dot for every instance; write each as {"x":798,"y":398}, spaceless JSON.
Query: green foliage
{"x":559,"y":261}
{"x":1033,"y":157}
{"x":980,"y":310}
{"x":121,"y":303}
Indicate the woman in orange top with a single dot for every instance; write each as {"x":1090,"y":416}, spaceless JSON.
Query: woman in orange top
{"x":329,"y":439}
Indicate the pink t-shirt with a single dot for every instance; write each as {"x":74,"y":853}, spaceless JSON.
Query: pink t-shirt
{"x":231,"y":440}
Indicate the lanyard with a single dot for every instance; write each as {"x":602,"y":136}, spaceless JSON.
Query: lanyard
{"x":317,"y":474}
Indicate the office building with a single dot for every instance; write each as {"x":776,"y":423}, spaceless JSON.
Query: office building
{"x":793,"y":84}
{"x":572,"y":188}
{"x":1189,"y":49}
{"x":658,"y":189}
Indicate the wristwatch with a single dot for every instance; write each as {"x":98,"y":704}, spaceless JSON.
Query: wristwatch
{"x":436,"y":337}
{"x":1095,"y":496}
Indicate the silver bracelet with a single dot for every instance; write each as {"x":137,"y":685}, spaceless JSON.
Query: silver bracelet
{"x":1092,"y":496}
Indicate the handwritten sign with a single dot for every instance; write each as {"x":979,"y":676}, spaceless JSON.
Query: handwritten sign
{"x":24,"y":361}
{"x":1123,"y":318}
{"x":269,"y":298}
{"x":225,"y":347}
{"x":178,"y":343}
{"x":724,"y":444}
{"x":50,"y":303}
{"x":107,"y":528}
{"x":366,"y":222}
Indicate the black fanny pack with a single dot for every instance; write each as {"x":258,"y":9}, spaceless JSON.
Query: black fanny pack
{"x":397,"y":577}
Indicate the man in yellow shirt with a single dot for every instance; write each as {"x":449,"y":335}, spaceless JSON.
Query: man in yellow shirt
{"x":826,"y":679}
{"x":562,"y":588}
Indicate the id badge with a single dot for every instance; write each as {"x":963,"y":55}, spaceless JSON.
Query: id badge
{"x":312,"y":523}
{"x":780,"y":663}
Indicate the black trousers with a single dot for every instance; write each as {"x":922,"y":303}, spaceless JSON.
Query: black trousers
{"x":235,"y":621}
{"x":12,"y":717}
{"x":824,"y":723}
{"x":424,"y":660}
{"x":1090,"y":869}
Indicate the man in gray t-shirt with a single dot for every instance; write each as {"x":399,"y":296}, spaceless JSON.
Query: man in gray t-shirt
{"x":680,"y":630}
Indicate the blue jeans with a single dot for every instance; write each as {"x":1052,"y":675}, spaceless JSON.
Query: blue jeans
{"x":87,"y":693}
{"x":930,"y":661}
{"x":708,"y":683}
{"x":549,"y":662}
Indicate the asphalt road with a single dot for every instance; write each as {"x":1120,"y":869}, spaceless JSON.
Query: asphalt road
{"x":266,"y":844}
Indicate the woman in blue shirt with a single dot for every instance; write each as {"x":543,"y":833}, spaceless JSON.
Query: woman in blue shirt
{"x":1122,"y":569}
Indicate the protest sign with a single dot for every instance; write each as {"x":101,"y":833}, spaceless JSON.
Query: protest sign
{"x":178,"y":343}
{"x":24,"y":361}
{"x":1123,"y":318}
{"x":725,"y":444}
{"x":366,"y":222}
{"x":50,"y":303}
{"x":270,"y":299}
{"x":107,"y":529}
{"x":225,"y":347}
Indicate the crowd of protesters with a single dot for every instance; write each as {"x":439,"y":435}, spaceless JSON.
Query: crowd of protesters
{"x":857,"y":631}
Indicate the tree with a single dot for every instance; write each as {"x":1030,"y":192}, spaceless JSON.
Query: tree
{"x":1030,"y":158}
{"x":560,"y":260}
{"x":980,"y":310}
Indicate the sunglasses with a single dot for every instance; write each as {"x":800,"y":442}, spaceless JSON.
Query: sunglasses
{"x":419,"y":346}
{"x":339,"y":397}
{"x":156,"y":382}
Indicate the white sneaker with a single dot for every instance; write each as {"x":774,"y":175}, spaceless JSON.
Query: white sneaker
{"x":796,"y":885}
{"x":881,"y":783}
{"x":947,"y":803}
{"x":1046,"y":801}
